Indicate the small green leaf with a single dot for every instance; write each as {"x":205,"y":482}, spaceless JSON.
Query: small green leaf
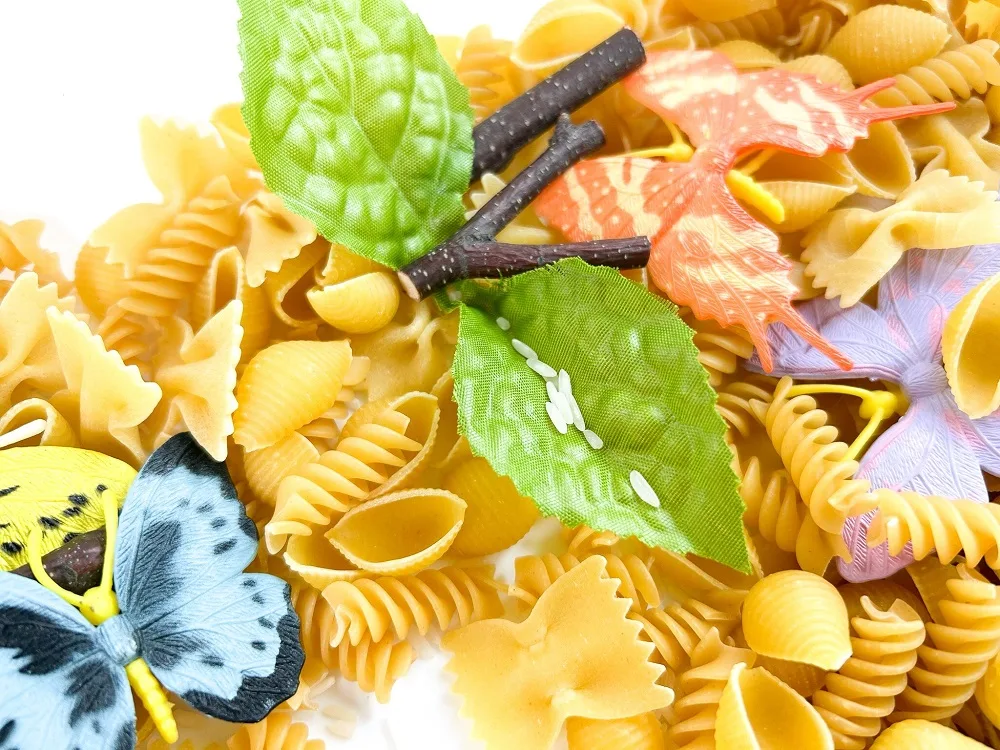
{"x":357,"y":122}
{"x":636,"y":376}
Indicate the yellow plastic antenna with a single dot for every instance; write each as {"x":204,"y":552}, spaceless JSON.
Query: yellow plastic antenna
{"x":876,"y":407}
{"x":99,"y":605}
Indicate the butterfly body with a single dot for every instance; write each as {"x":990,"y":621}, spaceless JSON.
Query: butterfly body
{"x":183,"y":616}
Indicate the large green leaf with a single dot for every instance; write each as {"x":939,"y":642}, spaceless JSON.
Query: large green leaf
{"x":357,"y":122}
{"x":636,"y":377}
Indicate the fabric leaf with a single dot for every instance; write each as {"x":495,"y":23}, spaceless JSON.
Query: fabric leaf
{"x":56,"y":489}
{"x":357,"y":122}
{"x":636,"y":377}
{"x":854,"y":248}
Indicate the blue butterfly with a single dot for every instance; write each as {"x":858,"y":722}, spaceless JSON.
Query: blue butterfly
{"x":225,"y":641}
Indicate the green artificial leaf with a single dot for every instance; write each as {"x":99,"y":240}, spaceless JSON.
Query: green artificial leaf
{"x":636,"y":377}
{"x":357,"y":122}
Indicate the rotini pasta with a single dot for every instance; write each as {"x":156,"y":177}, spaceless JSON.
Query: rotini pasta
{"x":640,"y":732}
{"x":699,"y":690}
{"x":99,"y":284}
{"x":279,"y":731}
{"x":390,"y":607}
{"x":953,"y":75}
{"x":863,"y":691}
{"x":285,"y":387}
{"x":384,"y":442}
{"x":484,"y":67}
{"x":763,"y":27}
{"x":719,"y":349}
{"x":534,"y":574}
{"x":961,"y":643}
{"x":677,"y":629}
{"x":689,"y":576}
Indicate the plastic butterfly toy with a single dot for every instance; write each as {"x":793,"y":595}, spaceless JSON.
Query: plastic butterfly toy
{"x":935,"y":448}
{"x":180,"y":613}
{"x":708,"y":253}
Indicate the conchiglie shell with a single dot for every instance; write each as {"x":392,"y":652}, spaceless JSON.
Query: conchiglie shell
{"x":57,"y":430}
{"x":640,"y":732}
{"x":747,"y":55}
{"x":969,"y":348}
{"x":400,"y":533}
{"x":800,"y":617}
{"x":317,"y":562}
{"x":287,"y":386}
{"x":497,"y":515}
{"x":804,"y":679}
{"x":560,"y":32}
{"x":447,"y":432}
{"x":363,"y":304}
{"x":759,"y":712}
{"x":824,"y":68}
{"x":917,"y":734}
{"x":267,"y":467}
{"x":719,"y":11}
{"x":805,"y":202}
{"x":342,"y":264}
{"x":286,"y":288}
{"x":224,"y":281}
{"x":100,"y":284}
{"x":880,"y":165}
{"x":887,"y":39}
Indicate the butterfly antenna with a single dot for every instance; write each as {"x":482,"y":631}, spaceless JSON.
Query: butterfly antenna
{"x":111,"y":537}
{"x":38,"y":570}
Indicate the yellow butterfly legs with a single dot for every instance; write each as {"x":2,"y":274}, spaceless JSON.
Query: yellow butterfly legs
{"x":99,"y":605}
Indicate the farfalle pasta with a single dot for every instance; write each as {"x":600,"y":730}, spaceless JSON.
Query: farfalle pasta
{"x":484,"y":67}
{"x":640,"y":732}
{"x":956,"y":141}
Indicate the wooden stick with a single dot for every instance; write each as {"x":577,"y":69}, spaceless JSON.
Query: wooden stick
{"x":499,"y":137}
{"x":489,"y":260}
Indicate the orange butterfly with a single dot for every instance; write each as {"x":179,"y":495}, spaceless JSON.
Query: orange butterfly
{"x":708,"y":252}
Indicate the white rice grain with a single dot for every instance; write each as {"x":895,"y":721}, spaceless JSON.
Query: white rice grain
{"x":643,"y":489}
{"x":541,"y":368}
{"x":565,"y":387}
{"x":550,"y":389}
{"x":556,"y":417}
{"x":523,"y":349}
{"x":503,"y":323}
{"x":593,"y":439}
{"x":563,"y":405}
{"x":24,"y":432}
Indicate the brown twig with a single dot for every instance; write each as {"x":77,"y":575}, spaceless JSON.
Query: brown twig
{"x":499,"y":137}
{"x":473,"y":252}
{"x":76,"y":566}
{"x":489,"y":260}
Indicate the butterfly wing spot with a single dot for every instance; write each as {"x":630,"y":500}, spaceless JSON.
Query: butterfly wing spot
{"x":73,"y":511}
{"x":258,"y":599}
{"x":218,"y":523}
{"x":8,"y":490}
{"x":249,"y":583}
{"x":223,"y":547}
{"x":48,"y":522}
{"x":101,"y":489}
{"x":259,"y":645}
{"x":79,"y":500}
{"x":12,"y":548}
{"x":204,"y":508}
{"x":212,"y":661}
{"x":70,"y":537}
{"x":265,"y":623}
{"x":6,"y":731}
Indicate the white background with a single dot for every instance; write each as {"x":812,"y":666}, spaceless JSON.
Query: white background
{"x":75,"y":78}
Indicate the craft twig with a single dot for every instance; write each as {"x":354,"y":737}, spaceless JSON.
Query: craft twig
{"x":473,"y":252}
{"x":76,"y":566}
{"x":499,"y":137}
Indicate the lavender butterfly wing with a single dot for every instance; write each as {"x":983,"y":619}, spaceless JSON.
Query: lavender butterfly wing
{"x":59,"y":688}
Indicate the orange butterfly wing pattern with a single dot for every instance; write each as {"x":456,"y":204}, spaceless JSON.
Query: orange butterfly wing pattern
{"x":707,"y":252}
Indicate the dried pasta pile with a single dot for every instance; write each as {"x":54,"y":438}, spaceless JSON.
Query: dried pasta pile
{"x":329,"y":395}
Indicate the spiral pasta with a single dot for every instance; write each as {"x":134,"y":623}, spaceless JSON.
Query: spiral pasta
{"x":862,"y":692}
{"x":763,"y":27}
{"x":719,"y":349}
{"x":676,"y":630}
{"x":953,"y":75}
{"x":961,"y":642}
{"x":699,"y":689}
{"x":389,"y":607}
{"x":385,"y":439}
{"x":692,"y":577}
{"x":525,"y":229}
{"x":485,"y":69}
{"x":815,"y":27}
{"x":278,"y":731}
{"x":533,"y":574}
{"x":640,"y":732}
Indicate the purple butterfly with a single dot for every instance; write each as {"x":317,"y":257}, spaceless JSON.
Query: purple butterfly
{"x":935,"y":448}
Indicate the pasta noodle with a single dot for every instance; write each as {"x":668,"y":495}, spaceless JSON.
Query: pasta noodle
{"x":20,"y":250}
{"x":862,"y":692}
{"x":278,"y":731}
{"x":748,"y":55}
{"x":496,"y":516}
{"x":953,"y":75}
{"x":961,"y":642}
{"x":267,"y":467}
{"x":640,"y":732}
{"x":719,"y":349}
{"x":823,"y":67}
{"x":763,"y":27}
{"x":286,"y":289}
{"x":533,"y":575}
{"x":956,"y":141}
{"x":57,"y":430}
{"x":99,"y":284}
{"x":393,"y":439}
{"x":399,"y":533}
{"x":966,"y":350}
{"x":363,"y":304}
{"x":223,"y":282}
{"x":868,"y":54}
{"x":677,"y":629}
{"x":689,"y":576}
{"x":389,"y":607}
{"x":699,"y":688}
{"x":816,"y":26}
{"x":272,"y":235}
{"x":923,"y":735}
{"x":525,"y":229}
{"x":484,"y":67}
{"x":285,"y":387}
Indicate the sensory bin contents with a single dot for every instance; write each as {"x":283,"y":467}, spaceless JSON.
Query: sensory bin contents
{"x":689,"y":310}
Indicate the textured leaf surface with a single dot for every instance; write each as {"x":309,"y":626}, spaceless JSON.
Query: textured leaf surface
{"x":357,"y":122}
{"x":636,"y":377}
